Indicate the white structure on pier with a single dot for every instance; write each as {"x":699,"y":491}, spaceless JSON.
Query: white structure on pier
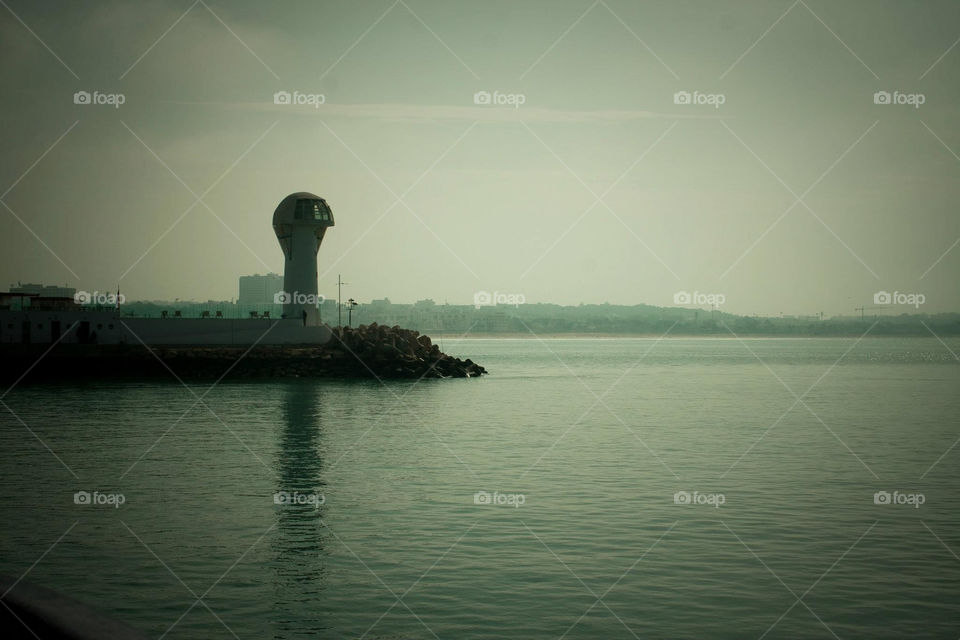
{"x":300,"y":222}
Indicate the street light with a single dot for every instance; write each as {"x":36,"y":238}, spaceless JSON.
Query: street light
{"x":340,"y":283}
{"x":351,"y":303}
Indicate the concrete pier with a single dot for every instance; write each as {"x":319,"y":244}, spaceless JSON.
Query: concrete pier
{"x":364,"y":352}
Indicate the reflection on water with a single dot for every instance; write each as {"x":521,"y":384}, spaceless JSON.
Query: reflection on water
{"x":297,"y":546}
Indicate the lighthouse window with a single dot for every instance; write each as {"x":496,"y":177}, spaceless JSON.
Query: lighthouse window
{"x":302,"y":209}
{"x":311,"y":210}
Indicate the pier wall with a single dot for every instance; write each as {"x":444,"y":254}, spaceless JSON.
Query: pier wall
{"x":109,"y":327}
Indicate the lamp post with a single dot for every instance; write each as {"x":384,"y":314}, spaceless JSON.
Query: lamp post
{"x":340,"y":283}
{"x":351,"y":303}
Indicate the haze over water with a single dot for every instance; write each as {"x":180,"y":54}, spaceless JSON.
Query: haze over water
{"x":397,"y":465}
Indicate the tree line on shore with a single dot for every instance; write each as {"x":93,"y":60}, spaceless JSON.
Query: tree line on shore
{"x":601,"y":319}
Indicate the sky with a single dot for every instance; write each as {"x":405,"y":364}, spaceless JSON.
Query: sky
{"x":791,"y":156}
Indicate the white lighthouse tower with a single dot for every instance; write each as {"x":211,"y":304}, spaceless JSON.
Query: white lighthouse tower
{"x":300,"y":222}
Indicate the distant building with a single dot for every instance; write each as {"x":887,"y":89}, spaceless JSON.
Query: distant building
{"x":49,"y":291}
{"x":258,"y":290}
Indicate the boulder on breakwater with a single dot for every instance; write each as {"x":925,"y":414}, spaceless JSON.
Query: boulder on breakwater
{"x":372,"y":351}
{"x":393,"y":352}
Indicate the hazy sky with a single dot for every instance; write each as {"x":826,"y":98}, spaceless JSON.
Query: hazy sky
{"x":798,"y":194}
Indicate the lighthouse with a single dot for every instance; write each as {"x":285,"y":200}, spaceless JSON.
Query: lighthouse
{"x":300,"y":222}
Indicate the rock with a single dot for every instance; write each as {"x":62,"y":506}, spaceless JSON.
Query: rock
{"x":387,"y":352}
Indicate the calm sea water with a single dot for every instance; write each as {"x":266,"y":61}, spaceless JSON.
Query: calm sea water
{"x":579,"y":451}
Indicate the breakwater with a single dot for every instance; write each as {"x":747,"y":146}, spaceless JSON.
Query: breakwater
{"x":372,"y":351}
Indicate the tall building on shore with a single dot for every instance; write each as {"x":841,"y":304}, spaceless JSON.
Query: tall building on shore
{"x":259,"y":289}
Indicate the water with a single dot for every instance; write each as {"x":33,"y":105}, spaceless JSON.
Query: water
{"x":594,"y":437}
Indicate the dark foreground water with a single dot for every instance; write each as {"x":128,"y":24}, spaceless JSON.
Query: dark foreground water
{"x":684,"y":488}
